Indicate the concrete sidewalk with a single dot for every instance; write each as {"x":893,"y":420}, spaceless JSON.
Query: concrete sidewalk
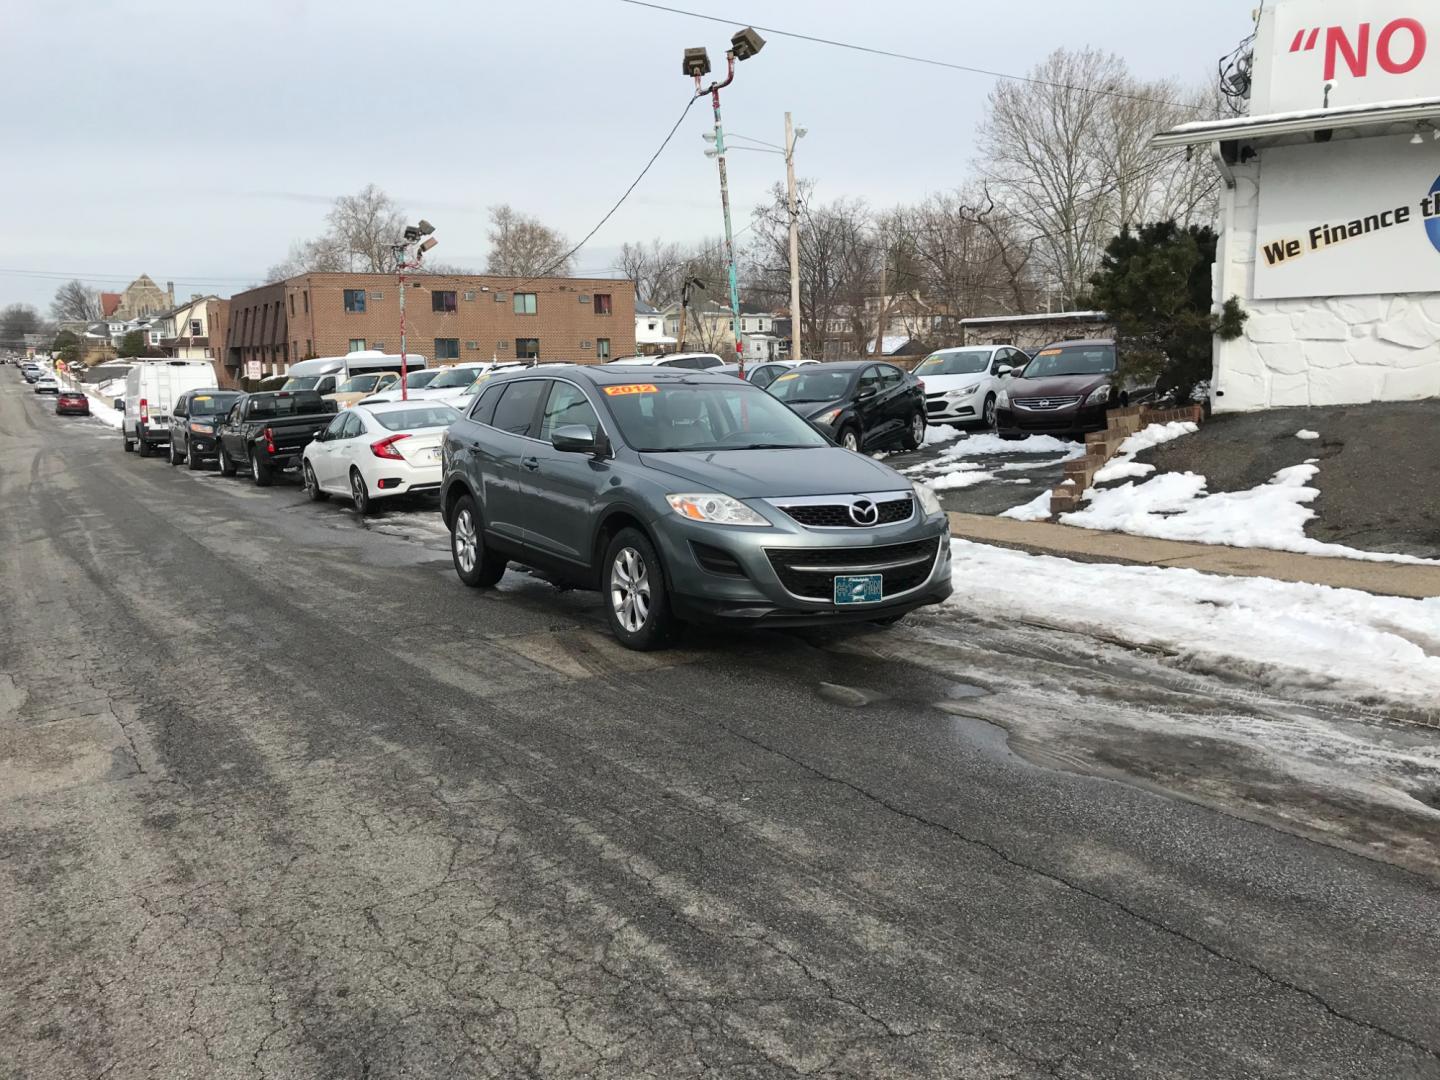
{"x":1088,"y":545}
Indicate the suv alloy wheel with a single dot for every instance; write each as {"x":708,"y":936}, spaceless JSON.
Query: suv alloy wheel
{"x":475,"y":566}
{"x":637,"y":602}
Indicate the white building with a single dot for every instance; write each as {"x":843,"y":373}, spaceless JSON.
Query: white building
{"x":1331,"y":207}
{"x":651,"y":335}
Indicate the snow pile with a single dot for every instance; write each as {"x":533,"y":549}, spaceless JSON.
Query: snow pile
{"x":105,"y":414}
{"x":1155,"y":434}
{"x":1307,"y":434}
{"x":1175,"y":506}
{"x":988,"y":443}
{"x":1037,"y":509}
{"x":1319,"y":637}
{"x":1121,"y":469}
{"x":962,"y":476}
{"x":940,"y":433}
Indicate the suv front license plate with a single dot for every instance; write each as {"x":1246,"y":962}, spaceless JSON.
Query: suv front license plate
{"x":859,"y":589}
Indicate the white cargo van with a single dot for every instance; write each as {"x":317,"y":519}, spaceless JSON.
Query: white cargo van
{"x":151,"y":387}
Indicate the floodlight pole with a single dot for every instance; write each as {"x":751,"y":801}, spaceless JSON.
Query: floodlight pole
{"x":403,"y":262}
{"x":714,"y":92}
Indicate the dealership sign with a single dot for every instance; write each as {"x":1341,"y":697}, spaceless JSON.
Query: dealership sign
{"x":1364,"y":51}
{"x":1349,"y":218}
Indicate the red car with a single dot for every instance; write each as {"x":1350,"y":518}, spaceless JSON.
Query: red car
{"x":72,"y":402}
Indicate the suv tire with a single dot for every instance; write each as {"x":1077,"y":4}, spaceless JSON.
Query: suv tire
{"x":174,"y":457}
{"x":636,"y":599}
{"x":476,"y":566}
{"x":227,"y":467}
{"x":192,"y":461}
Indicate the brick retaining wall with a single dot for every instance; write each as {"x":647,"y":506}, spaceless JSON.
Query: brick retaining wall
{"x":1100,"y":447}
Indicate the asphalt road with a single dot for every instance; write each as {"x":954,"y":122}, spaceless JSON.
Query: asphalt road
{"x":279,"y":798}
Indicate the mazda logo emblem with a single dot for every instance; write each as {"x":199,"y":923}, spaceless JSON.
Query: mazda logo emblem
{"x":864,"y":512}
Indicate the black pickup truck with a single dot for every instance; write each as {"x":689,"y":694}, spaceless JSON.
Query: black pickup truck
{"x":267,"y":432}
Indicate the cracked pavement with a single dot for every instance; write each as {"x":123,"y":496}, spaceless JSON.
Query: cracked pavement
{"x":279,"y":798}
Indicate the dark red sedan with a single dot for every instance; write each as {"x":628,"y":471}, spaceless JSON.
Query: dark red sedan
{"x":72,"y":402}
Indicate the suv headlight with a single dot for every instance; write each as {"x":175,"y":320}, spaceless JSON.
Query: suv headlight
{"x":1099,"y":396}
{"x":929,"y":501}
{"x":715,"y":509}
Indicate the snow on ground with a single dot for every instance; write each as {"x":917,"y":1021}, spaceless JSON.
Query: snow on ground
{"x":1176,"y":506}
{"x":1037,"y":509}
{"x":1306,"y":433}
{"x":1121,"y":469}
{"x":963,"y":475}
{"x":940,"y":433}
{"x":989,"y":443}
{"x":105,"y":414}
{"x":1154,"y":435}
{"x":1308,"y":635}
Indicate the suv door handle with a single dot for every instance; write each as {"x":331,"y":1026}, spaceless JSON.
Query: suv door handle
{"x":531,"y":463}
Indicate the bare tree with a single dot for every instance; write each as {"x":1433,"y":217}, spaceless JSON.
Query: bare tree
{"x":656,"y":269}
{"x":16,"y":321}
{"x":323,"y":254}
{"x":367,"y":225}
{"x":75,"y":302}
{"x":522,"y":246}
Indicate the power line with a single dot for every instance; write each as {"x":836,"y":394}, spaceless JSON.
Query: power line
{"x":913,"y":59}
{"x":618,"y":202}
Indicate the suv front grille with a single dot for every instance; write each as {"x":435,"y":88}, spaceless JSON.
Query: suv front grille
{"x":837,"y":515}
{"x":810,"y":572}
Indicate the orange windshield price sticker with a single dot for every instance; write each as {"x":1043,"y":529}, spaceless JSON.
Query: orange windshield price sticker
{"x":631,"y":388}
{"x":1048,"y":352}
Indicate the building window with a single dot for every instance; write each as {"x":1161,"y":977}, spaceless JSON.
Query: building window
{"x":469,"y":296}
{"x":524,"y":303}
{"x":196,"y":328}
{"x":355,"y":300}
{"x":305,"y":299}
{"x":308,"y":350}
{"x":209,"y":355}
{"x":357,"y":344}
{"x":602,"y":348}
{"x":442,"y":300}
{"x":292,"y":305}
{"x":447,"y":348}
{"x":602,"y":303}
{"x":473,"y":346}
{"x":527,"y":348}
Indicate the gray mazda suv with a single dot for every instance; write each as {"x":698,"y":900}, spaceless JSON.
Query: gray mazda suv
{"x":684,"y":496}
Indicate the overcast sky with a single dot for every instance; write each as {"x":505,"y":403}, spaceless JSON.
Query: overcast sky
{"x":193,"y":140}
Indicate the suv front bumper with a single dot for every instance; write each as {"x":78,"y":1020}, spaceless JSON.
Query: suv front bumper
{"x":783,"y":577}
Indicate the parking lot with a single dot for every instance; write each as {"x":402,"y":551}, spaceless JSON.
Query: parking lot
{"x":279,"y":798}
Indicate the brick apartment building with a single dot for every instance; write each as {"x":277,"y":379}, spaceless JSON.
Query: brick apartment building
{"x":448,"y":318}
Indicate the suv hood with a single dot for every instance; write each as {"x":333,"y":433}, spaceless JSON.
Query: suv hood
{"x":1057,"y":385}
{"x":771,"y":474}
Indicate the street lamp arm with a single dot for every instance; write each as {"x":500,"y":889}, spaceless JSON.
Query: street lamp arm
{"x":714,"y":88}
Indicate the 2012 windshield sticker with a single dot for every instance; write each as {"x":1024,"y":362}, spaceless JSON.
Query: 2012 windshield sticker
{"x":1329,"y":234}
{"x":631,"y":388}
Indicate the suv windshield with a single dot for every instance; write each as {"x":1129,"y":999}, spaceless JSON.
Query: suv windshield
{"x":456,"y":377}
{"x":301,"y":382}
{"x":1072,"y":360}
{"x":211,"y":404}
{"x":424,"y":416}
{"x":697,"y":417}
{"x":968,"y":362}
{"x":812,"y":386}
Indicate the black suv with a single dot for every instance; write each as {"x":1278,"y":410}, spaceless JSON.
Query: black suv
{"x":193,"y":421}
{"x":684,"y":496}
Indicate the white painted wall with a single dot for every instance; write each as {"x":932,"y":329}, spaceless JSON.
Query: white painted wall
{"x":1317,"y":351}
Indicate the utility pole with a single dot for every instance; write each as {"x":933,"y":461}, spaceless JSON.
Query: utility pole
{"x":880,"y":321}
{"x":795,"y":337}
{"x":403,"y":262}
{"x":743,"y":45}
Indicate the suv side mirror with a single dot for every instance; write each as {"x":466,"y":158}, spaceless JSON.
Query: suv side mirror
{"x":574,"y":439}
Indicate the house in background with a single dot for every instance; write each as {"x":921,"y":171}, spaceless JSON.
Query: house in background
{"x":109,"y":302}
{"x":650,"y":334}
{"x":185,"y":329}
{"x":143,"y":297}
{"x":1035,"y":331}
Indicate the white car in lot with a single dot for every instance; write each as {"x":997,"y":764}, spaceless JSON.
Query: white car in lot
{"x":451,"y":384}
{"x":963,"y":385}
{"x":47,"y":384}
{"x":376,"y":450}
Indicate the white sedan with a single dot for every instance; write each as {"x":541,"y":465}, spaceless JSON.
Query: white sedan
{"x":963,"y":385}
{"x":378,"y":450}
